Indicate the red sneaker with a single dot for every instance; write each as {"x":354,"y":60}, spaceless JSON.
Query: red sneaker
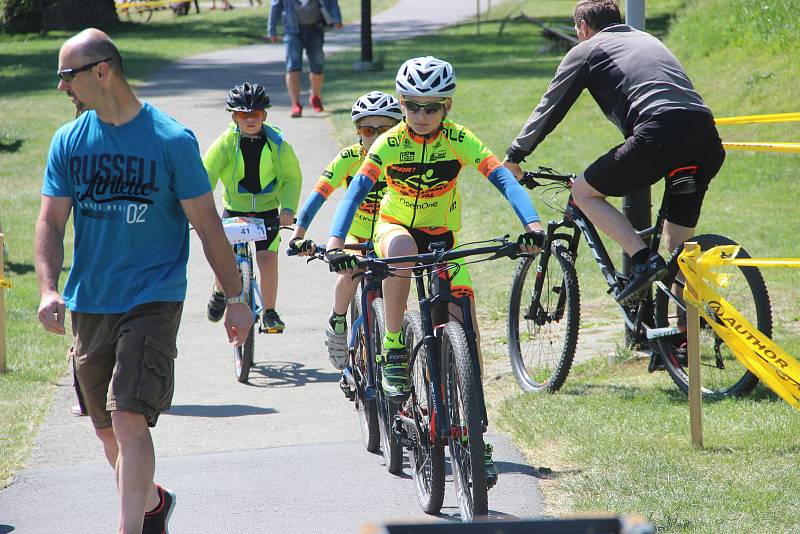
{"x":297,"y":111}
{"x":316,"y":103}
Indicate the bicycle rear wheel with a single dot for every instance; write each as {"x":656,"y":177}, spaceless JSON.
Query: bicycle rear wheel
{"x":466,"y":436}
{"x":367,"y":410}
{"x":426,"y":457}
{"x":543,"y":331}
{"x":243,"y":356}
{"x":722,"y":374}
{"x":392,"y":449}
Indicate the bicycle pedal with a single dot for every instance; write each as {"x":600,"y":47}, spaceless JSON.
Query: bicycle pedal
{"x":270,"y":330}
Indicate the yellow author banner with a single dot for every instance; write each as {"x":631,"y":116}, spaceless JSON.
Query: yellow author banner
{"x":762,"y":356}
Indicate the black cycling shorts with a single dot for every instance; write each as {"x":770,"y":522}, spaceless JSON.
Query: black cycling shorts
{"x":668,"y":141}
{"x":270,"y":218}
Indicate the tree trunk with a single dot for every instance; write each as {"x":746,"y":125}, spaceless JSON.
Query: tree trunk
{"x":78,"y":14}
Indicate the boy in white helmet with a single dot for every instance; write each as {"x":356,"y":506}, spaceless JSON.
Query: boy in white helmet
{"x":421,"y":159}
{"x":373,"y":114}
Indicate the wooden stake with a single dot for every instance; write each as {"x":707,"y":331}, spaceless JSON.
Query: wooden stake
{"x":2,"y":310}
{"x":693,"y":346}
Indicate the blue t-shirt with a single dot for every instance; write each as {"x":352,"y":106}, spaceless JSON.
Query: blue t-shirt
{"x":126,"y":183}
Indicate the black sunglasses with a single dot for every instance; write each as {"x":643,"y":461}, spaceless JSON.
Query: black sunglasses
{"x":69,"y":74}
{"x":430,"y":108}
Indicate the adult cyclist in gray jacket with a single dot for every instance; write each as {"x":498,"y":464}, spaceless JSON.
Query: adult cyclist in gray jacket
{"x":643,"y":89}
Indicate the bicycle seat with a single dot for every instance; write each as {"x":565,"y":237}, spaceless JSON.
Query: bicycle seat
{"x":680,"y":181}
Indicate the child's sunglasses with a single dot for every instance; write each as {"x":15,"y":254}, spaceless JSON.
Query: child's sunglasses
{"x":370,"y":131}
{"x":258,"y":114}
{"x":430,"y":108}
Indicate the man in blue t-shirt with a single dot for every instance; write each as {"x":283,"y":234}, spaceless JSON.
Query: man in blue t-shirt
{"x":131,"y":176}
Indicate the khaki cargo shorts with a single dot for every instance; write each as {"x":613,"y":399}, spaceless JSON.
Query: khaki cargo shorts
{"x":126,"y":361}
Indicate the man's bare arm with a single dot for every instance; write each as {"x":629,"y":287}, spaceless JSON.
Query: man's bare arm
{"x":49,"y":258}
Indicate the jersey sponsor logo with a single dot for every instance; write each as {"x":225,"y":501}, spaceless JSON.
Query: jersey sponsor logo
{"x":327,"y":174}
{"x":454,"y":135}
{"x":407,"y":157}
{"x":407,"y":143}
{"x":437,"y":155}
{"x":392,"y":141}
{"x":375,"y":158}
{"x":427,"y":179}
{"x":419,"y":204}
{"x":349,"y":153}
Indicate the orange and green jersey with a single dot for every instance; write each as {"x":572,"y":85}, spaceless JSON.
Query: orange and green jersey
{"x":339,"y":173}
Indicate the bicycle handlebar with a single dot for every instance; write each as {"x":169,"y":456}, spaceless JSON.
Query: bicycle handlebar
{"x":529,"y":177}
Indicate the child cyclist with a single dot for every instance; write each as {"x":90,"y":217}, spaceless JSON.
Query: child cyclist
{"x":421,"y":159}
{"x":261,"y":178}
{"x":373,"y":114}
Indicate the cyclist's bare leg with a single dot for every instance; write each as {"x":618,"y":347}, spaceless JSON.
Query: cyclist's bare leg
{"x":396,"y":288}
{"x":343,"y":293}
{"x":268,"y":268}
{"x":675,"y":235}
{"x":135,"y":468}
{"x":606,"y":217}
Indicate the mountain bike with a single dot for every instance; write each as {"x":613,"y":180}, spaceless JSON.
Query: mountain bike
{"x":241,"y":231}
{"x":446,"y":403}
{"x":362,"y":377}
{"x":544,"y":306}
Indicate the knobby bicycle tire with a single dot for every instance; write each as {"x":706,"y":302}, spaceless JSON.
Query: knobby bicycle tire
{"x":425,"y":458}
{"x":243,"y":356}
{"x":392,"y":449}
{"x":367,"y":409}
{"x":463,"y":405}
{"x":542,"y":348}
{"x":722,"y":375}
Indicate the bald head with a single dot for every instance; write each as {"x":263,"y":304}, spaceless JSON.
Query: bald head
{"x":94,"y":45}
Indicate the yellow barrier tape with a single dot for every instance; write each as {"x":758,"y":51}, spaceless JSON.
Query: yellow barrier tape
{"x":5,"y":283}
{"x":762,"y":147}
{"x":747,"y":119}
{"x":147,"y":4}
{"x":759,"y":354}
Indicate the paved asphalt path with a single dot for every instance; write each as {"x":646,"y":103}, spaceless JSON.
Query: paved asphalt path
{"x":284,"y":453}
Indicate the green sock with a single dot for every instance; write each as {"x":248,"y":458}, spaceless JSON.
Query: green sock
{"x":394,"y":340}
{"x":338,"y":322}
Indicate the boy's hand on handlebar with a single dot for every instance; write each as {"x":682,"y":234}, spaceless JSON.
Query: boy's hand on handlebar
{"x":340,"y":261}
{"x":301,"y":246}
{"x":531,"y":242}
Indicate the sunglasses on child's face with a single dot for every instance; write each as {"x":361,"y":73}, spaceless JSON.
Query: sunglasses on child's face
{"x":258,"y":114}
{"x":372,"y":131}
{"x":430,"y":108}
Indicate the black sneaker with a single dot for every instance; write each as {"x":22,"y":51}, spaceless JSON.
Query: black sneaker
{"x":157,"y":521}
{"x":271,"y":322}
{"x":642,"y":275}
{"x":216,"y":306}
{"x":394,"y":372}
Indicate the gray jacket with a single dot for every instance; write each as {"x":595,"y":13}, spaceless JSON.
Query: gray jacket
{"x":631,"y":75}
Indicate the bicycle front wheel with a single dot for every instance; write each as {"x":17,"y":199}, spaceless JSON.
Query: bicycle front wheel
{"x":467,"y":448}
{"x":243,"y":356}
{"x":543,"y":327}
{"x":722,"y":374}
{"x":392,"y":449}
{"x":426,"y":457}
{"x":367,"y":410}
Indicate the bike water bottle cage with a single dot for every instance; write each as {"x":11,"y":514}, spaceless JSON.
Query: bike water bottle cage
{"x":681,"y":181}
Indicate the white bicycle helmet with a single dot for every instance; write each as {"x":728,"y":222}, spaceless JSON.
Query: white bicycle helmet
{"x":426,"y":76}
{"x":377,"y":104}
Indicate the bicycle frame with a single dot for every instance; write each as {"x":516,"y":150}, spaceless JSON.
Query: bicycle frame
{"x":244,"y":259}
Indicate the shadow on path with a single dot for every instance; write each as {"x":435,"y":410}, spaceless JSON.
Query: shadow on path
{"x":226,"y":410}
{"x":288,"y":374}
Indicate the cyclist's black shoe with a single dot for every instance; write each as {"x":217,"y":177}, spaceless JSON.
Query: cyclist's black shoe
{"x":642,"y":275}
{"x":216,"y":306}
{"x":271,"y":322}
{"x":157,"y":521}
{"x":394,"y":379}
{"x":491,"y":469}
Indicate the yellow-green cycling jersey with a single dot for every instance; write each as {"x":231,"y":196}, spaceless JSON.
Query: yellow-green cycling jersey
{"x":421,"y":174}
{"x":339,"y":173}
{"x":279,"y":172}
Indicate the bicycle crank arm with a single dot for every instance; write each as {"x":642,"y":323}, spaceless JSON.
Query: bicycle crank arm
{"x":655,"y":333}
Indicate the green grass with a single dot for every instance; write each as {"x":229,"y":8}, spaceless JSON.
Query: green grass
{"x":619,"y":438}
{"x":32,"y":111}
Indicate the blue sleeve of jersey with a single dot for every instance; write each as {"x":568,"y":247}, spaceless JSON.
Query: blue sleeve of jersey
{"x":357,"y":191}
{"x":505,"y":182}
{"x":310,"y":209}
